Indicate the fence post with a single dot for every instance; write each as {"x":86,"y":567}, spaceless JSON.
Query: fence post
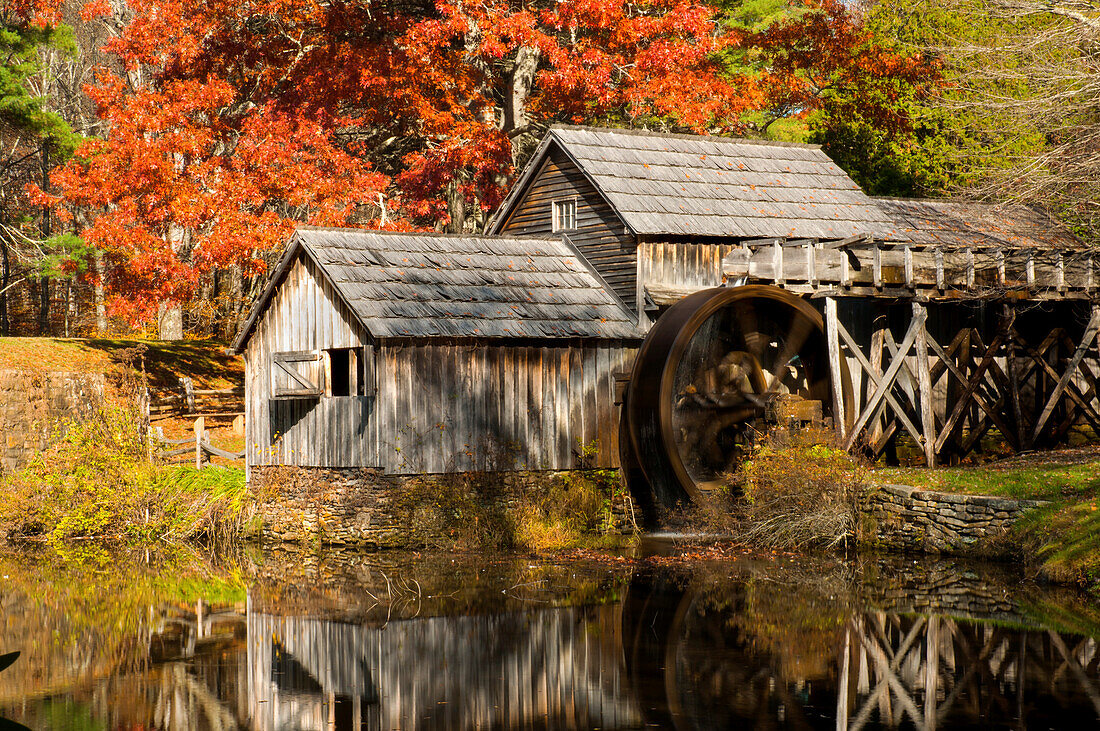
{"x":200,"y":431}
{"x":188,"y":389}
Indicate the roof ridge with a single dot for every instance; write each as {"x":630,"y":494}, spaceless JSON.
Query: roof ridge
{"x":683,"y":136}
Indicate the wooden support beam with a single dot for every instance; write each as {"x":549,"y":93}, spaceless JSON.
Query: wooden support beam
{"x":882,"y":389}
{"x":924,"y":383}
{"x":878,"y":345}
{"x":971,"y":392}
{"x":1014,"y":377}
{"x":777,"y":254}
{"x":1086,"y":342}
{"x":832,"y":337}
{"x":875,"y":378}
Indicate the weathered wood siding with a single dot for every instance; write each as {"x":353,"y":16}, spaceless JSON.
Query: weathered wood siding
{"x":304,"y":315}
{"x":600,"y":234}
{"x":669,"y":271}
{"x":462,"y":405}
{"x":441,"y":404}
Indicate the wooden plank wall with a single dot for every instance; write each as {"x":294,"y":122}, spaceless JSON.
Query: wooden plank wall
{"x":600,"y":234}
{"x":442,"y":404}
{"x":670,"y":271}
{"x":304,"y":314}
{"x":452,"y":405}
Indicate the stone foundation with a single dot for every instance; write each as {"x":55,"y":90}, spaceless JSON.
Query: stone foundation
{"x":32,"y":403}
{"x":899,"y":517}
{"x":363,"y":507}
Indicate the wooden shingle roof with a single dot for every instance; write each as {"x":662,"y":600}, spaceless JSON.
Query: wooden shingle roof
{"x":965,"y":224}
{"x":433,"y":285}
{"x":685,"y":185}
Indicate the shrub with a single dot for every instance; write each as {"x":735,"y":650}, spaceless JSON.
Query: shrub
{"x":472,"y":510}
{"x":798,"y":489}
{"x":95,"y":480}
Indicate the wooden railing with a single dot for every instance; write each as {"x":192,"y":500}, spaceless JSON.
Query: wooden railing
{"x":197,"y":447}
{"x":212,"y":403}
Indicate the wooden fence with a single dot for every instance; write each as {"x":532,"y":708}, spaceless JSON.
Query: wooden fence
{"x":188,"y":400}
{"x":196,"y":447}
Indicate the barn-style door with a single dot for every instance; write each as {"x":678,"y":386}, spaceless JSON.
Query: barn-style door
{"x":947,"y":397}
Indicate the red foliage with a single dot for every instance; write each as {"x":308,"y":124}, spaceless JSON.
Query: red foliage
{"x":228,"y":121}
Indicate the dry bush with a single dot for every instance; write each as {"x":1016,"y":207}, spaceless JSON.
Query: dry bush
{"x":798,"y":489}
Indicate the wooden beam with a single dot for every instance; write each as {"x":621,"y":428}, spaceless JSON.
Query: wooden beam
{"x":1071,"y":368}
{"x":883,"y":387}
{"x":875,"y":377}
{"x":971,"y":392}
{"x":832,"y":337}
{"x":924,"y":383}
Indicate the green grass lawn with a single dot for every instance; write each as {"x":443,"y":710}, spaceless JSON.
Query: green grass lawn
{"x":1027,"y":481}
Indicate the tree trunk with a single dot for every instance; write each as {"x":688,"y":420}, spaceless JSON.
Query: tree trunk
{"x":170,"y":322}
{"x":520,"y":83}
{"x":43,"y":305}
{"x":456,"y":206}
{"x":100,"y":299}
{"x":5,"y":277}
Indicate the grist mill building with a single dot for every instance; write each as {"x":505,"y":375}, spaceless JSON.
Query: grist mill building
{"x":934,"y":322}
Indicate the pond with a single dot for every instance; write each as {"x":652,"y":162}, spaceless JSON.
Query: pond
{"x":332,"y":640}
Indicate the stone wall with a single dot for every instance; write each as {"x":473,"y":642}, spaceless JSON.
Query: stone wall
{"x":900,"y":517}
{"x":363,"y":507}
{"x":32,"y":403}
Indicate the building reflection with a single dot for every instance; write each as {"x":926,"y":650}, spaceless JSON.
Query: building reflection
{"x":556,"y":667}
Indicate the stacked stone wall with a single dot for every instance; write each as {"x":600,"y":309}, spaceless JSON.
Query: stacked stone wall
{"x":31,"y":404}
{"x":900,"y":517}
{"x":363,"y":507}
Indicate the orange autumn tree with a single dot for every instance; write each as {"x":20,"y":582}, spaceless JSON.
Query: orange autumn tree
{"x":230,"y":121}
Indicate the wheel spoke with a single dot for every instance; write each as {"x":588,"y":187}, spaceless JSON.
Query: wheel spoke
{"x":748,"y":327}
{"x":801,"y":328}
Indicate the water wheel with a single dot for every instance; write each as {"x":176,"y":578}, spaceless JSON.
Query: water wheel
{"x":711,"y":369}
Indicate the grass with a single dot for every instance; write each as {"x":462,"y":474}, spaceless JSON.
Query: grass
{"x":1031,"y":482}
{"x":165,"y":361}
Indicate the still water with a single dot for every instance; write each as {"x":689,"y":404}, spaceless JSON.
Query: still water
{"x":276,"y":640}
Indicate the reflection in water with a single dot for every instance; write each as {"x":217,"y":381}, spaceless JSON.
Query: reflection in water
{"x":557,"y":667}
{"x":771,"y":645}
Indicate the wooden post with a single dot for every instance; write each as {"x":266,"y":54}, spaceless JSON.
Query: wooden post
{"x":188,"y":390}
{"x":924,"y":384}
{"x":876,"y":265}
{"x":932,"y":671}
{"x":777,"y":253}
{"x":878,"y":345}
{"x":200,"y":432}
{"x":1023,"y":437}
{"x":832,"y":337}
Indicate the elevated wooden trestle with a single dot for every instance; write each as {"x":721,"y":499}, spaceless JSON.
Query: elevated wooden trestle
{"x":1014,"y":347}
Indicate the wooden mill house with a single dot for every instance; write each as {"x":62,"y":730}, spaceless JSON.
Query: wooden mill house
{"x":423,"y":353}
{"x":427,"y":353}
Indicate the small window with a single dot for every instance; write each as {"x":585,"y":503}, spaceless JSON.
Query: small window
{"x":342,"y":372}
{"x":565,"y":215}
